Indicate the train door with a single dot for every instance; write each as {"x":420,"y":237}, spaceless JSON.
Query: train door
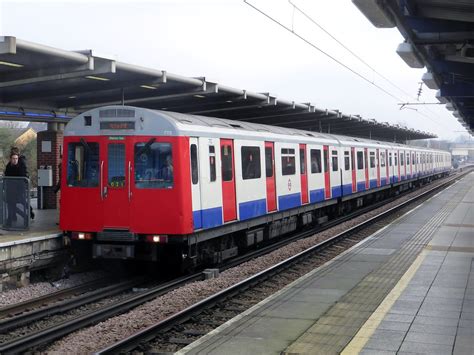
{"x":353,"y":167}
{"x":115,"y":170}
{"x":398,"y":165}
{"x":303,"y":174}
{"x":327,"y":179}
{"x":377,"y":164}
{"x":366,"y":161}
{"x":195,"y":185}
{"x":270,"y":176}
{"x":387,"y":166}
{"x":228,"y":180}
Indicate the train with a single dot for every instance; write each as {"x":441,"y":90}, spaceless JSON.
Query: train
{"x":159,"y":186}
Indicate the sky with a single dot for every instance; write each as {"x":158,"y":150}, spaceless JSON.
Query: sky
{"x":231,"y":43}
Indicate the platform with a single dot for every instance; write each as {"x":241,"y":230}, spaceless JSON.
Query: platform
{"x":409,"y":288}
{"x":24,"y":251}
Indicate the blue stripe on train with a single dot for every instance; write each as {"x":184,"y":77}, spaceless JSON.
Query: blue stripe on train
{"x":336,"y":192}
{"x":361,"y":186}
{"x":197,"y":220}
{"x":383,"y":181}
{"x":211,"y":217}
{"x":289,"y":201}
{"x":316,"y":195}
{"x":252,"y":209}
{"x":347,"y":189}
{"x":373,"y":183}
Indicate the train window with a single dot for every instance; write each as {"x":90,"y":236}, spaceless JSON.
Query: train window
{"x":360,"y":160}
{"x":83,"y":164}
{"x":382,"y":159}
{"x":390,"y":159}
{"x":288,"y":161}
{"x":250,"y":163}
{"x":212,"y":163}
{"x":153,"y":165}
{"x":335,"y":166}
{"x":402,"y":160}
{"x":116,"y":165}
{"x":226,"y":157}
{"x":268,"y":161}
{"x":372,"y":159}
{"x":302,"y":162}
{"x":194,"y":165}
{"x":395,"y":159}
{"x":346,"y":161}
{"x":315,"y":161}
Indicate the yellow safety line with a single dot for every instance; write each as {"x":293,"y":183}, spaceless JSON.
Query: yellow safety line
{"x":365,"y":332}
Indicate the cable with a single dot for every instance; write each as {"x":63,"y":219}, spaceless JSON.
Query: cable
{"x":334,"y":59}
{"x":358,"y":57}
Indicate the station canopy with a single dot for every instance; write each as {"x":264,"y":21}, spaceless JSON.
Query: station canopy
{"x":439,"y":35}
{"x":41,"y":83}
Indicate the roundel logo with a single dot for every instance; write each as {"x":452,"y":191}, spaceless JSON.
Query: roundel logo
{"x":289,"y":184}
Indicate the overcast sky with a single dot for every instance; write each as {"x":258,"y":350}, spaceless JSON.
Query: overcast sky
{"x":229,"y":42}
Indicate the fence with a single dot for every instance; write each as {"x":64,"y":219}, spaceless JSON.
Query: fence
{"x":14,"y":203}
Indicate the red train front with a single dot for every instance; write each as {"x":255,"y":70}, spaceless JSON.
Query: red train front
{"x":115,"y":161}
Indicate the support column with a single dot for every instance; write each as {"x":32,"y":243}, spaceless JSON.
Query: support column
{"x":49,"y":148}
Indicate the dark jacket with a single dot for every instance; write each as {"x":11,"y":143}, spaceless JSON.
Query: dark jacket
{"x":16,"y":170}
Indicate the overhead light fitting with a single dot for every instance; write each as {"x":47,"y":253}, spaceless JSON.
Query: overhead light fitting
{"x":229,"y":101}
{"x":406,"y":51}
{"x":96,"y":78}
{"x":148,"y":87}
{"x":71,"y":97}
{"x":429,"y":80}
{"x":440,"y":98}
{"x":14,"y":65}
{"x":200,"y":96}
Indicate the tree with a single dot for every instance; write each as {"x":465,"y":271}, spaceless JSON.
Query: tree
{"x":6,"y":141}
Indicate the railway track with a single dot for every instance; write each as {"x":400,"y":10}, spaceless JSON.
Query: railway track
{"x":189,"y":324}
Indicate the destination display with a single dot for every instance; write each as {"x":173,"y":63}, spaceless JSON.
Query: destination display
{"x":117,"y":125}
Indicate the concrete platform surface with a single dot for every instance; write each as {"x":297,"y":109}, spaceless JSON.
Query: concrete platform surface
{"x":409,"y":288}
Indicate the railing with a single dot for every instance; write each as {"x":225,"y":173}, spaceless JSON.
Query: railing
{"x":14,"y":203}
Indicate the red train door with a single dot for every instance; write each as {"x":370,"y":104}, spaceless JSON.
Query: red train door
{"x":398,"y":157}
{"x":304,"y":175}
{"x":228,"y":180}
{"x":270,"y":176}
{"x":387,"y":162}
{"x":366,"y":160}
{"x":327,"y":179}
{"x":377,"y":156}
{"x":115,"y":168}
{"x":354,"y":177}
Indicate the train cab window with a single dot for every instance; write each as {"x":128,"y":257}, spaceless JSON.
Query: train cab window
{"x":116,"y":165}
{"x":346,"y":161}
{"x":302,"y":162}
{"x":194,"y":165}
{"x":335,"y":166}
{"x":372,"y":159}
{"x":153,"y":166}
{"x":250,"y":163}
{"x":268,"y":161}
{"x":382,"y":159}
{"x":360,"y":160}
{"x":212,"y":163}
{"x":83,"y":164}
{"x":226,"y":156}
{"x":288,"y":161}
{"x":315,"y":161}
